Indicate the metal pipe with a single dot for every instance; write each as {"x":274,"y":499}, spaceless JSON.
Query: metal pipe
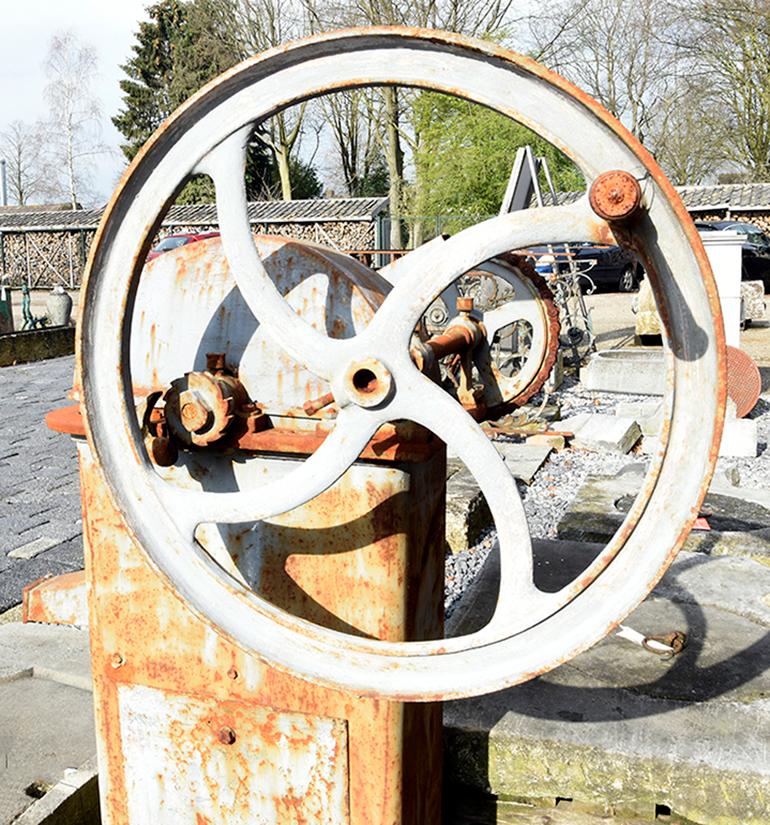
{"x":3,"y":182}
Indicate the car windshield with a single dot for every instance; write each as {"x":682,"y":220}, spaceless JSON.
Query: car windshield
{"x":170,"y":243}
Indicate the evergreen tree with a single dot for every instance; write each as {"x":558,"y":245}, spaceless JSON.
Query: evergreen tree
{"x":147,"y":100}
{"x":176,"y":52}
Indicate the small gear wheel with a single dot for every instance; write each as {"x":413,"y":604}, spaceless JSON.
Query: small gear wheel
{"x":199,"y":408}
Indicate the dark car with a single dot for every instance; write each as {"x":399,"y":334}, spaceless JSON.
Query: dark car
{"x":755,"y":262}
{"x":607,"y":266}
{"x":175,"y":241}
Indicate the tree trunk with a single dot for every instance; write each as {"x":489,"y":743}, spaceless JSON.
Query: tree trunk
{"x":395,"y":160}
{"x":282,"y":159}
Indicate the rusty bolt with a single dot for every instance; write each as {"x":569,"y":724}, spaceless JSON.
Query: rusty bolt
{"x":192,"y":413}
{"x":464,"y":304}
{"x":615,"y":196}
{"x":117,"y":660}
{"x":232,"y":673}
{"x":226,"y":735}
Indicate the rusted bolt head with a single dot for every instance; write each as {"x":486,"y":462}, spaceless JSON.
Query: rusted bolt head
{"x":226,"y":735}
{"x":117,"y":660}
{"x":615,"y":196}
{"x":232,"y":673}
{"x":192,"y":413}
{"x":464,"y":304}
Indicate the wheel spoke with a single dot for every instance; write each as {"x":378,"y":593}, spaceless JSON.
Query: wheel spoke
{"x":189,"y":508}
{"x":225,"y":165}
{"x":426,"y":404}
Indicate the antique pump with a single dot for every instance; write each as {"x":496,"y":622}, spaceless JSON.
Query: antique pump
{"x":263,"y":474}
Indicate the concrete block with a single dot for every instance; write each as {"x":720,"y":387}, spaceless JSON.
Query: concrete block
{"x":607,"y":432}
{"x":647,"y":414}
{"x":638,"y":371}
{"x":467,"y":514}
{"x":57,"y":600}
{"x":36,"y":345}
{"x":739,"y":438}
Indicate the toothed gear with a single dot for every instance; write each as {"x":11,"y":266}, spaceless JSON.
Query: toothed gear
{"x":199,"y":408}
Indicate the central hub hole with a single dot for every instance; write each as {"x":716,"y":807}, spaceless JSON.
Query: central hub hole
{"x":364,"y":380}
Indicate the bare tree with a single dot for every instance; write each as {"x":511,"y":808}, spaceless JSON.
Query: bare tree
{"x":733,"y":44}
{"x":472,"y":17}
{"x":625,"y":53}
{"x":252,"y":26}
{"x":73,"y":129}
{"x":23,"y":146}
{"x":691,"y":134}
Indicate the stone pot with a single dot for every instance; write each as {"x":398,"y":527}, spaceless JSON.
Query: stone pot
{"x":59,"y":307}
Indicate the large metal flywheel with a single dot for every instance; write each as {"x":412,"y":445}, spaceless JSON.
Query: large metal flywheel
{"x":373,"y":378}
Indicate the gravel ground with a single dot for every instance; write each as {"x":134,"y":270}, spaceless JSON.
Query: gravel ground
{"x":559,"y":479}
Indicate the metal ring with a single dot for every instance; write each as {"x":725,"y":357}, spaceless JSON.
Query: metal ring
{"x":663,"y":235}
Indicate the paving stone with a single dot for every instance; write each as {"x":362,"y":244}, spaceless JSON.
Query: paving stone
{"x":33,"y":548}
{"x":46,"y":709}
{"x":39,"y":485}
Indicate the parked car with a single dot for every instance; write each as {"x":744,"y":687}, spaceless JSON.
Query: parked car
{"x":179,"y":239}
{"x":607,"y":266}
{"x":755,"y":262}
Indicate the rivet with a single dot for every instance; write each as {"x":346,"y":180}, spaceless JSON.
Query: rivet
{"x":117,"y":660}
{"x":232,"y":673}
{"x":226,"y":736}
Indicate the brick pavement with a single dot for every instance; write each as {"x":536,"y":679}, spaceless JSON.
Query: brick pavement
{"x":40,"y":521}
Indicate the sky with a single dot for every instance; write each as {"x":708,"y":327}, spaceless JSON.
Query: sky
{"x":26,"y":28}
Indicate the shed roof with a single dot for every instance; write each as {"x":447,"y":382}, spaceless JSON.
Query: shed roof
{"x":734,"y":196}
{"x":298,"y":211}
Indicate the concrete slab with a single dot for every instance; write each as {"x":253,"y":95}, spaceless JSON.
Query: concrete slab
{"x":607,"y":432}
{"x":46,"y":729}
{"x":637,"y":371}
{"x":46,"y":720}
{"x":53,"y":652}
{"x":624,"y":730}
{"x":739,"y":517}
{"x":523,"y":460}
